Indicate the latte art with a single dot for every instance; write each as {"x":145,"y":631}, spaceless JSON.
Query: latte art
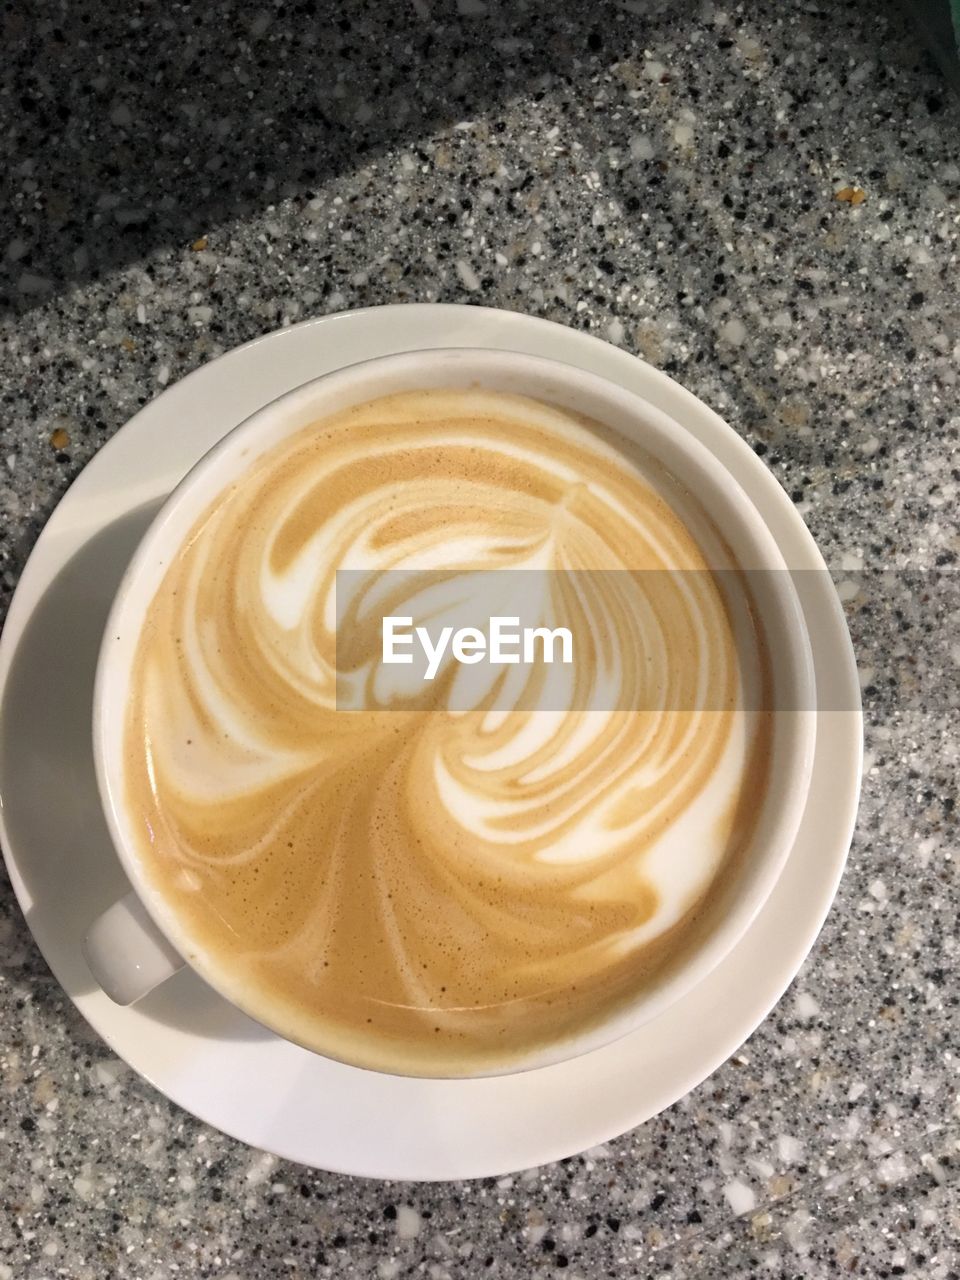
{"x":430,"y":876}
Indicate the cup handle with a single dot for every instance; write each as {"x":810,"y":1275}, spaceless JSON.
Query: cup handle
{"x":127,"y":953}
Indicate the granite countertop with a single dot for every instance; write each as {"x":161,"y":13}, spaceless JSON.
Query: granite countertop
{"x":761,"y":200}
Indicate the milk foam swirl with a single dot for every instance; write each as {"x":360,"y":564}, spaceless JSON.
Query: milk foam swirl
{"x":439,"y":879}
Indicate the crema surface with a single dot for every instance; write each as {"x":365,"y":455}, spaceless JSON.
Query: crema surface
{"x":439,"y":886}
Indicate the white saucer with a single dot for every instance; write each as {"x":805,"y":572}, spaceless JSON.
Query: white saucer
{"x":193,"y":1046}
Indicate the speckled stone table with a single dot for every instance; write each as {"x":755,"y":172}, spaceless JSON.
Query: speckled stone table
{"x":761,"y":200}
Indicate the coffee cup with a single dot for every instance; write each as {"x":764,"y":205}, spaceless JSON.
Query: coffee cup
{"x":143,"y":939}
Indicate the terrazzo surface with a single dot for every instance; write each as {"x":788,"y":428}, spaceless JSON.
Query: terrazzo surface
{"x":761,"y":200}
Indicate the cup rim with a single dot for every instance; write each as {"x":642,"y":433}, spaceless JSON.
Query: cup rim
{"x":194,"y":494}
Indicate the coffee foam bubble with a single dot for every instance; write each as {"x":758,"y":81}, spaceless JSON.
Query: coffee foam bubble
{"x":438,"y":888}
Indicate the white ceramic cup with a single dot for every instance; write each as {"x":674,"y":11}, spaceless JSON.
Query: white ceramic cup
{"x":139,"y":942}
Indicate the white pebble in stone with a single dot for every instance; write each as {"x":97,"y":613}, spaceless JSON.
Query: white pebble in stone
{"x":388,"y":1269}
{"x":83,"y":1188}
{"x":409,"y":1222}
{"x":641,"y":148}
{"x":683,"y":135}
{"x":805,"y":1005}
{"x":894,"y":1169}
{"x":260,"y":1168}
{"x":795,"y":1226}
{"x":467,"y":274}
{"x":109,"y":1071}
{"x":740,"y":1197}
{"x":615,"y":331}
{"x":878,"y":890}
{"x":734,"y":332}
{"x":789,"y":1149}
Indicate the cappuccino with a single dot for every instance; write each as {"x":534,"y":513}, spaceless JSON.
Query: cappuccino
{"x":408,"y":878}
